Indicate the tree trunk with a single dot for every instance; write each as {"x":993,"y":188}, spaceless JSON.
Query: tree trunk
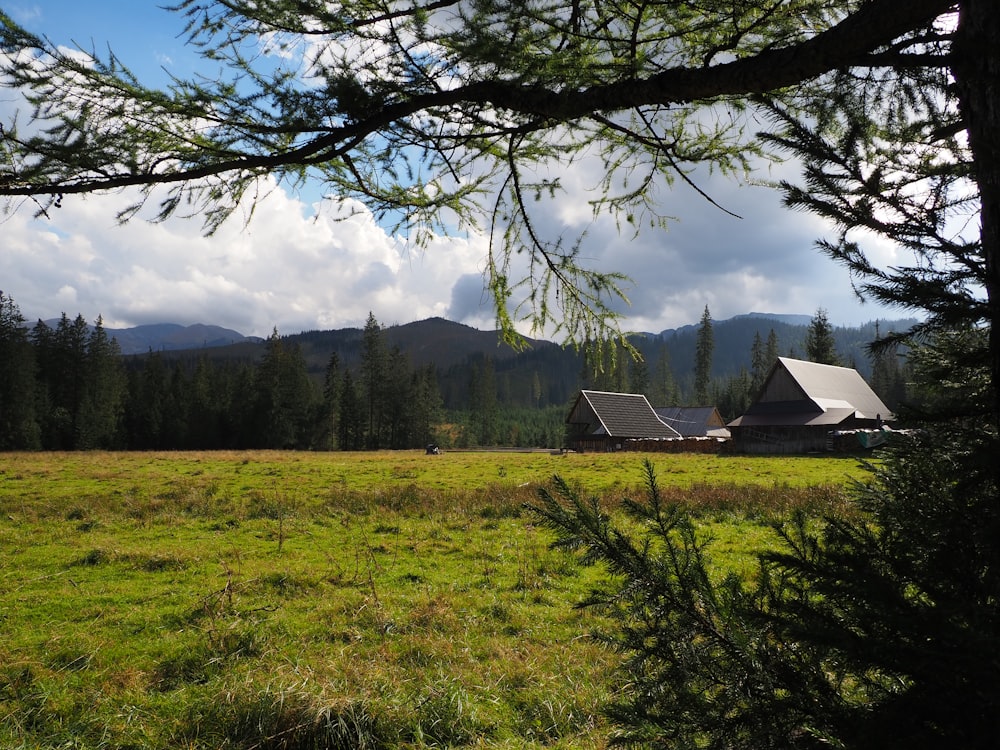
{"x":977,"y":72}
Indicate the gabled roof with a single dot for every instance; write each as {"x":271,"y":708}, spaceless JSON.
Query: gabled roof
{"x":797,"y":392}
{"x":621,"y":415}
{"x":693,"y":421}
{"x":831,"y":387}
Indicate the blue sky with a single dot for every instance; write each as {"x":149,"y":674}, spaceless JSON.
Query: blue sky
{"x":293,"y":267}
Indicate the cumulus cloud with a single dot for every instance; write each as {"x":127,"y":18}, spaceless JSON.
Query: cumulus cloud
{"x":294,"y":267}
{"x":299,"y":265}
{"x":753,"y":256}
{"x":470,"y":301}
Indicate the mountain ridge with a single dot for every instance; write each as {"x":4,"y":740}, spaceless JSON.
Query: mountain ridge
{"x":170,"y":336}
{"x":438,"y":333}
{"x":545,"y":372}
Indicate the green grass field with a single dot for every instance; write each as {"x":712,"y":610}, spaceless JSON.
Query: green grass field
{"x":328,"y":600}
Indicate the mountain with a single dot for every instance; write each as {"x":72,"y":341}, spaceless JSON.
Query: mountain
{"x":542,"y":374}
{"x":783,"y":319}
{"x":160,"y":337}
{"x":168,"y":336}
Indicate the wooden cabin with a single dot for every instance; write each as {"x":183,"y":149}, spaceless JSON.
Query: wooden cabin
{"x":801,"y":404}
{"x":603,"y":421}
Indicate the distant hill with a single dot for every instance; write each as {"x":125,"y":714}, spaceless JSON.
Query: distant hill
{"x":785,"y":320}
{"x":436,"y":341}
{"x":734,"y":336}
{"x":545,"y":373}
{"x":173,"y":337}
{"x":159,"y":337}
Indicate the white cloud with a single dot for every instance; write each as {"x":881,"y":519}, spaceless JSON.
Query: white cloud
{"x":286,"y":268}
{"x":295,"y":266}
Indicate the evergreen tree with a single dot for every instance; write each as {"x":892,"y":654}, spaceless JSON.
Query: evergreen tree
{"x":878,"y":632}
{"x":374,"y":371}
{"x":483,"y":403}
{"x":536,"y":389}
{"x":950,"y":378}
{"x":820,"y":345}
{"x":771,"y":351}
{"x":62,"y":367}
{"x":101,"y":411}
{"x":284,"y":397}
{"x":663,"y":389}
{"x":426,"y":407}
{"x":735,"y":397}
{"x":638,"y":376}
{"x":704,"y":348}
{"x":328,"y":409}
{"x":759,"y":365}
{"x":887,"y":379}
{"x":241,"y":387}
{"x":147,"y":406}
{"x":603,"y":368}
{"x":398,"y":397}
{"x":206,"y":403}
{"x":351,"y":427}
{"x":19,"y":428}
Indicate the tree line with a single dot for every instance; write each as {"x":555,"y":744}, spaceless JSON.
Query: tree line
{"x":68,"y":387}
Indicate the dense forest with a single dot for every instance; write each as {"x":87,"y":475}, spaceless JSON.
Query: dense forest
{"x":65,"y":385}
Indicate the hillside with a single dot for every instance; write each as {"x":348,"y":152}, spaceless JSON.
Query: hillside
{"x":159,"y":337}
{"x":545,"y":373}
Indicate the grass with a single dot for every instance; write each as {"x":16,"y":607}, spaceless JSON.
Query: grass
{"x":287,"y":600}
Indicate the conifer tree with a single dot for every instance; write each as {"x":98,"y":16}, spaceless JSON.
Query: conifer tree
{"x":103,"y":403}
{"x":878,"y":632}
{"x":664,"y":387}
{"x":398,"y":394}
{"x":704,"y":348}
{"x":18,"y":425}
{"x":638,"y":376}
{"x":328,"y":410}
{"x":483,"y":403}
{"x":820,"y":344}
{"x":374,"y":372}
{"x":351,"y":427}
{"x":284,"y":397}
{"x":758,"y":363}
{"x":771,"y":351}
{"x":62,"y":367}
{"x":426,"y":408}
{"x":148,"y":405}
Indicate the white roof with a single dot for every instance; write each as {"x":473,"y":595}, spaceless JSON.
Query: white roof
{"x":829,"y":396}
{"x":831,"y":388}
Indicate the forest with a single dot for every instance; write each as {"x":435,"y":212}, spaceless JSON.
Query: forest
{"x":67,"y":386}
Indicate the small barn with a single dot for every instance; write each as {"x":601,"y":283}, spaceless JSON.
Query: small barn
{"x":694,"y":421}
{"x":801,"y":404}
{"x":603,"y":421}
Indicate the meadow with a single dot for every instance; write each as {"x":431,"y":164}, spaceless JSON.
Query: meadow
{"x":330,"y":600}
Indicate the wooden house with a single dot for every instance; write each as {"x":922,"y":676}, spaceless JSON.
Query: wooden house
{"x":603,"y":421}
{"x":801,"y":404}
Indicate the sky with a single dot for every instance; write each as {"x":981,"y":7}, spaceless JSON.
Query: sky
{"x":294,"y":267}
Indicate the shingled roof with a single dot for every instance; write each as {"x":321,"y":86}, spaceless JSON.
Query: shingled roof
{"x":619,"y":415}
